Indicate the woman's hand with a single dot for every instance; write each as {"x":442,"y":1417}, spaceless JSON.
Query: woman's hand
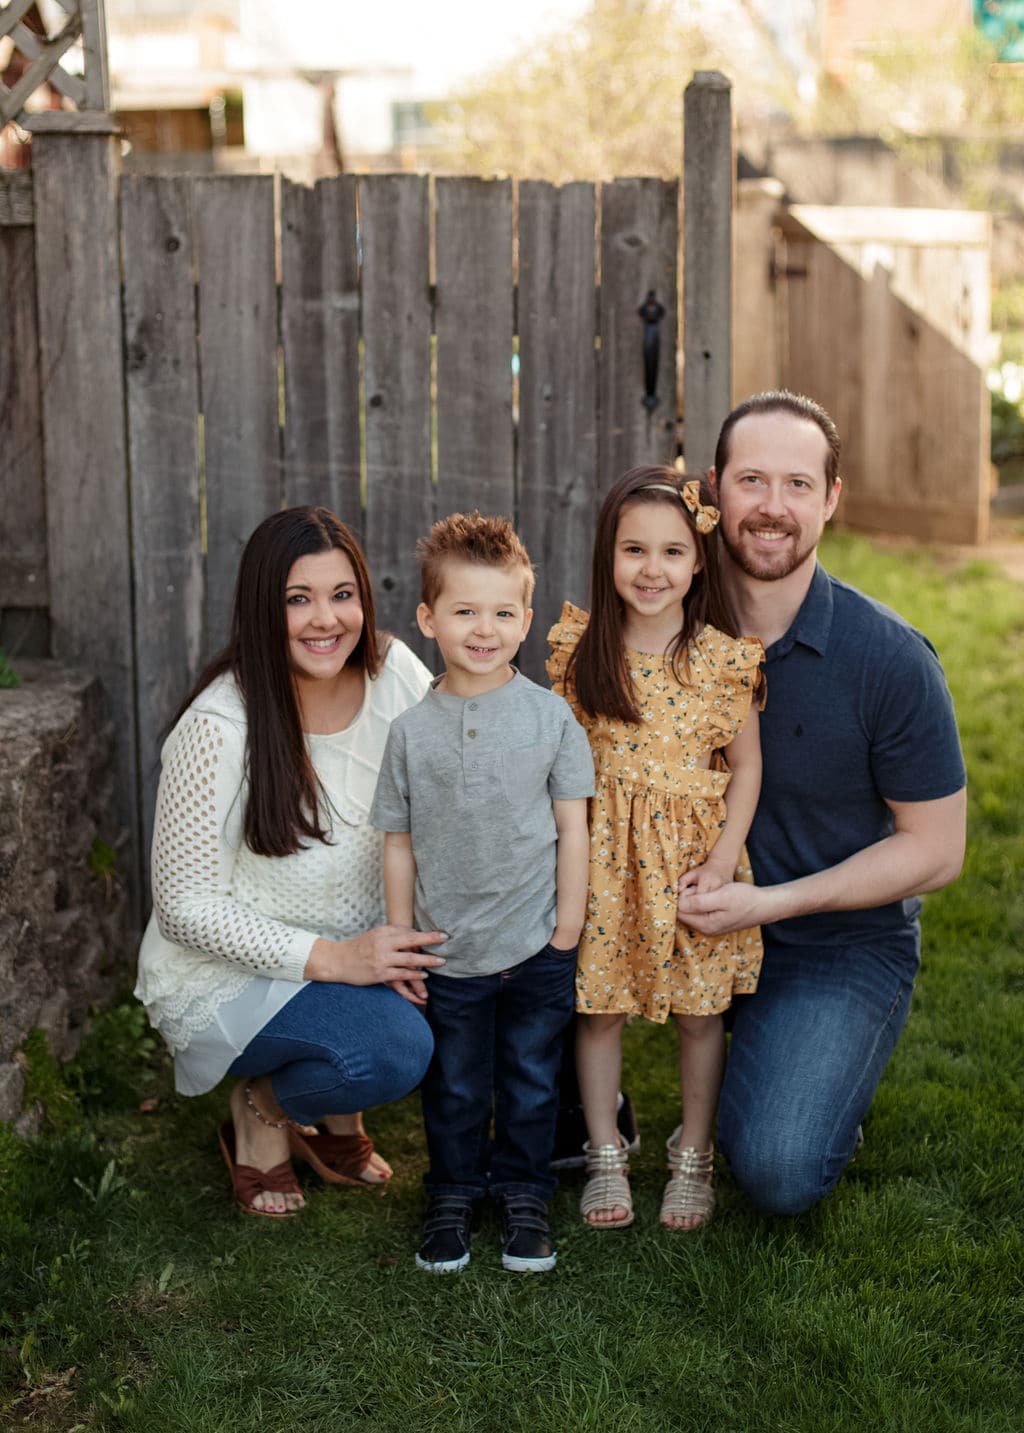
{"x":382,"y":956}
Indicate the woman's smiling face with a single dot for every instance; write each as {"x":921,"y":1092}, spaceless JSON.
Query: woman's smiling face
{"x":325,"y":614}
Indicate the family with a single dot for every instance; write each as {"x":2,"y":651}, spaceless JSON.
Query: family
{"x":725,"y":810}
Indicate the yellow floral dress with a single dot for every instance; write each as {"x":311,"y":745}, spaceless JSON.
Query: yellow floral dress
{"x":657,"y":813}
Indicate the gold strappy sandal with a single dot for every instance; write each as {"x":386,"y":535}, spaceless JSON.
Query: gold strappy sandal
{"x":607,"y":1186}
{"x":689,"y":1191}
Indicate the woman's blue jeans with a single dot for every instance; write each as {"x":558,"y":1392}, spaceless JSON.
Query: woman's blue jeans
{"x":338,"y":1049}
{"x":806,"y":1054}
{"x":497,"y":1047}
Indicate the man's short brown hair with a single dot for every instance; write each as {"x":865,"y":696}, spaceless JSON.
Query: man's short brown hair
{"x":798,"y":405}
{"x":469,"y":537}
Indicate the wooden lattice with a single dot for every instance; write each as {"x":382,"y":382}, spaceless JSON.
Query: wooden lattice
{"x":81,"y":25}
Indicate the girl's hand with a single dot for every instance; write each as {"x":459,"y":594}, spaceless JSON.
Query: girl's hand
{"x":701,"y":880}
{"x":704,"y":878}
{"x":377,"y":957}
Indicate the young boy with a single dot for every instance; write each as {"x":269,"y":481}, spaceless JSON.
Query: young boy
{"x":483,"y":795}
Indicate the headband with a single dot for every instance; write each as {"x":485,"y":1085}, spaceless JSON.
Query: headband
{"x":705,"y":516}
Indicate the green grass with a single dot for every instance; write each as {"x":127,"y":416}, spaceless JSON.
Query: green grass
{"x":133,"y":1297}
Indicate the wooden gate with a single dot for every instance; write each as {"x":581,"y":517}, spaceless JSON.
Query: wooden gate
{"x":289,"y":345}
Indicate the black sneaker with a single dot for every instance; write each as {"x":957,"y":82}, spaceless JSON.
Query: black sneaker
{"x":571,"y":1134}
{"x":444,"y":1248}
{"x":526,"y":1243}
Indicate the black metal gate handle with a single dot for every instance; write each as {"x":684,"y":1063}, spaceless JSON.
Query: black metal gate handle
{"x":652,"y":312}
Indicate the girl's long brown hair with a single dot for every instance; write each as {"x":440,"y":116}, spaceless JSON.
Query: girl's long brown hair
{"x":284,"y":805}
{"x":597,"y":666}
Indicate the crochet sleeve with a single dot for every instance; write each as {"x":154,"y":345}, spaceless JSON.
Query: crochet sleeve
{"x":196,"y":836}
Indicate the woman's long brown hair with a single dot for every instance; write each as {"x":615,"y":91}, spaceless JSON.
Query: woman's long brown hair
{"x":284,"y":804}
{"x":597,"y":668}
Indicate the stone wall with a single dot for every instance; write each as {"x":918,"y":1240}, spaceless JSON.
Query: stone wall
{"x":65,"y":930}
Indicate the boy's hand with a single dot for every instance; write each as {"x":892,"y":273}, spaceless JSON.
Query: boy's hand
{"x":562,"y":938}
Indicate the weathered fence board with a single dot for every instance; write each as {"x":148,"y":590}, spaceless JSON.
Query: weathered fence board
{"x":395,"y":228}
{"x":162,"y":386}
{"x":80,"y":342}
{"x":557,"y":479}
{"x":819,"y":358}
{"x":905,"y":391}
{"x":238,"y":347}
{"x":707,"y":250}
{"x":23,"y":582}
{"x":474,"y":322}
{"x":320,"y":345}
{"x":639,"y":252}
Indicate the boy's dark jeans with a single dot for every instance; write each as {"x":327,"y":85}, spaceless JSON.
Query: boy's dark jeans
{"x":497,"y":1047}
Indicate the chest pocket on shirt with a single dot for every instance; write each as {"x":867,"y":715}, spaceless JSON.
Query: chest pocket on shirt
{"x":525,"y":772}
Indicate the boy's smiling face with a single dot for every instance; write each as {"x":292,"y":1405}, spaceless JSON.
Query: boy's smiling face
{"x":479,"y":620}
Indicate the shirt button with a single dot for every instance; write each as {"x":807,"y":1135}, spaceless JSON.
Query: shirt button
{"x":472,"y":731}
{"x":473,"y":706}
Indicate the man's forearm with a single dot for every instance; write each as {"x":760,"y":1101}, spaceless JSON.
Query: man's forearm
{"x":924,"y":853}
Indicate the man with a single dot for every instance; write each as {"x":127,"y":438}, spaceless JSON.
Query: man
{"x":862,"y":809}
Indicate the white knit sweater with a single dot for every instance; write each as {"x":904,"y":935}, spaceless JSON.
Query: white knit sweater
{"x":223,"y":917}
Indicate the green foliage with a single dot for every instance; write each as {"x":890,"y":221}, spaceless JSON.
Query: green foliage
{"x":102,"y":859}
{"x":133,"y":1296}
{"x":598,"y":99}
{"x":46,"y":1084}
{"x":1007,"y":430}
{"x":908,"y":87}
{"x":8,"y":676}
{"x":118,"y":1063}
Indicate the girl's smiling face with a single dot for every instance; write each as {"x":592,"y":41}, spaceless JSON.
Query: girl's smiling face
{"x":325,"y":614}
{"x":654,"y":564}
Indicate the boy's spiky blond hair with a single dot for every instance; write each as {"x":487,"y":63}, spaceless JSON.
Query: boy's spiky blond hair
{"x":470,"y":537}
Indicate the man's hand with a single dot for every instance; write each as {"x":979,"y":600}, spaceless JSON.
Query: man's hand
{"x":733,"y":905}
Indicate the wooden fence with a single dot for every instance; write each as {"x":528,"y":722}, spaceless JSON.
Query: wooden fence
{"x":181,"y":356}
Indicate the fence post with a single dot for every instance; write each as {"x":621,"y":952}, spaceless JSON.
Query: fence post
{"x":75,"y":164}
{"x":708,"y":171}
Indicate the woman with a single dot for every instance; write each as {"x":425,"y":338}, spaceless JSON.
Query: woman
{"x":265,"y":957}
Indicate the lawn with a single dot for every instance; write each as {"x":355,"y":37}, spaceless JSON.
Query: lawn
{"x":134,"y":1297}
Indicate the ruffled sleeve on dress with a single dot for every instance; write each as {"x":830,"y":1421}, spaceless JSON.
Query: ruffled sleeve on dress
{"x":734,"y":669}
{"x":563,"y":637}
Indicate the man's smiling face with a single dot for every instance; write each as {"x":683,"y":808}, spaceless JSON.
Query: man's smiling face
{"x":773,"y":494}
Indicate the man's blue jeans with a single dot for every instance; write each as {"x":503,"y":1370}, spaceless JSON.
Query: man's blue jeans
{"x":337,"y":1049}
{"x":806,"y":1055}
{"x":497,"y":1048}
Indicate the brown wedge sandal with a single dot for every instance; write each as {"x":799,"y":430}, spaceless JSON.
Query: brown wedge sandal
{"x":337,"y":1158}
{"x":247,"y":1181}
{"x":689,"y":1192}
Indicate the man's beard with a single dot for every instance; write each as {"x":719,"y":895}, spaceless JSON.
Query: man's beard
{"x":766,"y":566}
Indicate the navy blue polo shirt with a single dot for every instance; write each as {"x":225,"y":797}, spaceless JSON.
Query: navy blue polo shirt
{"x":858,"y":710}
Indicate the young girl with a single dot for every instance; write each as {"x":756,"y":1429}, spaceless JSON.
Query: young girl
{"x":660,"y":688}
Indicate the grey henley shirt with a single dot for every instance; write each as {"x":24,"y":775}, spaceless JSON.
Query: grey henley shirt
{"x":472,"y":779}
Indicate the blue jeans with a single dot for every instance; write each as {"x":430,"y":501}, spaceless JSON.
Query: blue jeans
{"x":806,"y":1055}
{"x":337,"y":1049}
{"x":497,"y":1048}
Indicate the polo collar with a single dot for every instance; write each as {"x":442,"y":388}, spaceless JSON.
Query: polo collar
{"x":813,"y":623}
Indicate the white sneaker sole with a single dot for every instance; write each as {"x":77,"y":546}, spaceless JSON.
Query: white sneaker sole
{"x":528,"y":1266}
{"x":442,"y":1266}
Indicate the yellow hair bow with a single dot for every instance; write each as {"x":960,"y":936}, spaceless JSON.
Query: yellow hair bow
{"x":704,"y":515}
